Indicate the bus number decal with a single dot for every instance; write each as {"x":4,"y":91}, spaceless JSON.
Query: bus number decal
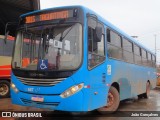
{"x":108,"y":69}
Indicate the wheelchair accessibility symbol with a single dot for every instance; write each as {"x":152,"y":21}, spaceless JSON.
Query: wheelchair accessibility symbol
{"x":43,"y":65}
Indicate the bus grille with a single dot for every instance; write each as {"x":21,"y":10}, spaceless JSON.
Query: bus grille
{"x":25,"y":101}
{"x":40,"y":82}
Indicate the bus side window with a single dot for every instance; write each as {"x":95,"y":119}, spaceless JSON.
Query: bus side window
{"x":114,"y":45}
{"x":90,"y":39}
{"x":154,"y":61}
{"x":144,"y":57}
{"x":137,"y":54}
{"x":96,"y":51}
{"x":149,"y":59}
{"x":128,"y":55}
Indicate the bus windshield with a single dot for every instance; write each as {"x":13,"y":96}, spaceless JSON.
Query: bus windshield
{"x":59,"y":45}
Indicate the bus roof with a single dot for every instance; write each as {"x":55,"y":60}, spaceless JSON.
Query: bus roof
{"x":107,"y":23}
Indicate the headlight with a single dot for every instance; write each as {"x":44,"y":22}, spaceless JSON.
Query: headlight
{"x":72,"y":90}
{"x":13,"y":86}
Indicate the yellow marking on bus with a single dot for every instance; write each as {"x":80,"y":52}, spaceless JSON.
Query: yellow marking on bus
{"x":5,"y":60}
{"x":4,"y":75}
{"x":5,"y":68}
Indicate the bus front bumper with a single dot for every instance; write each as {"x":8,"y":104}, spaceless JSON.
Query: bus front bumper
{"x":53,"y":102}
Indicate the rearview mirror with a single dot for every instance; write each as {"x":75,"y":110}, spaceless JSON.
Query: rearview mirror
{"x":98,"y":34}
{"x":7,"y":29}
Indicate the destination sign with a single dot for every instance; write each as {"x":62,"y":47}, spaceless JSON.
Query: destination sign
{"x":47,"y":16}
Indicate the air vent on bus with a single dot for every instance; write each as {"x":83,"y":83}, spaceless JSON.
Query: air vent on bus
{"x":40,"y":82}
{"x":25,"y":101}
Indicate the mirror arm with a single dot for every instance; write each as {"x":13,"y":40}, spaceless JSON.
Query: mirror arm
{"x":7,"y":32}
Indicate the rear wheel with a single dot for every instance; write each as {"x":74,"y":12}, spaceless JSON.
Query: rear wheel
{"x":140,"y":96}
{"x":148,"y":88}
{"x":4,"y":88}
{"x":112,"y":101}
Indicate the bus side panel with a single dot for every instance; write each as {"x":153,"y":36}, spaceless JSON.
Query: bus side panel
{"x":131,"y":78}
{"x":119,"y":75}
{"x":98,"y":90}
{"x":95,"y":90}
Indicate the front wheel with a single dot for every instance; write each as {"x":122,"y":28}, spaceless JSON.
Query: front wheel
{"x":112,"y":101}
{"x":4,"y":89}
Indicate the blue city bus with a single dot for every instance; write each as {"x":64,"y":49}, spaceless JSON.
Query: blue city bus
{"x":71,"y":59}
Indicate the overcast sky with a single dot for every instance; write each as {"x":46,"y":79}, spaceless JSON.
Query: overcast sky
{"x":135,"y":17}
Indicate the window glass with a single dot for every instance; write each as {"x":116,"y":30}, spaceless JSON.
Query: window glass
{"x":128,"y":56}
{"x":153,"y":58}
{"x":59,"y":46}
{"x":114,"y":49}
{"x":92,"y":23}
{"x":108,"y":36}
{"x":90,"y":39}
{"x":115,"y":39}
{"x":101,"y":47}
{"x":149,"y":56}
{"x":114,"y":52}
{"x":144,"y":55}
{"x":153,"y":61}
{"x":149,"y":60}
{"x":137,"y":55}
{"x":127,"y":45}
{"x":96,"y":51}
{"x":136,"y":50}
{"x":137,"y":59}
{"x":127,"y":51}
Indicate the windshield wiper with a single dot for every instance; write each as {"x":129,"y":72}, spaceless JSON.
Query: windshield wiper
{"x":62,"y":37}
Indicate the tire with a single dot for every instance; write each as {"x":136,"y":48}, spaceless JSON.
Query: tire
{"x":113,"y":101}
{"x":4,"y":89}
{"x":148,"y":88}
{"x":140,"y":96}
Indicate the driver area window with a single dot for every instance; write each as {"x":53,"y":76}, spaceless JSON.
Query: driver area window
{"x":96,"y":50}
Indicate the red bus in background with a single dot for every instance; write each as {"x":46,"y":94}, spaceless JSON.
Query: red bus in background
{"x":5,"y":62}
{"x":5,"y":65}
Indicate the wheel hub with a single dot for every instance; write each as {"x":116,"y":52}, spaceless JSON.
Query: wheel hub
{"x":3,"y":89}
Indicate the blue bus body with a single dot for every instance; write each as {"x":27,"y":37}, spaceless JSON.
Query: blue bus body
{"x":129,"y":78}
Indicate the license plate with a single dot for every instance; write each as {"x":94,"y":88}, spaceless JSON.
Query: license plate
{"x":37,"y":98}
